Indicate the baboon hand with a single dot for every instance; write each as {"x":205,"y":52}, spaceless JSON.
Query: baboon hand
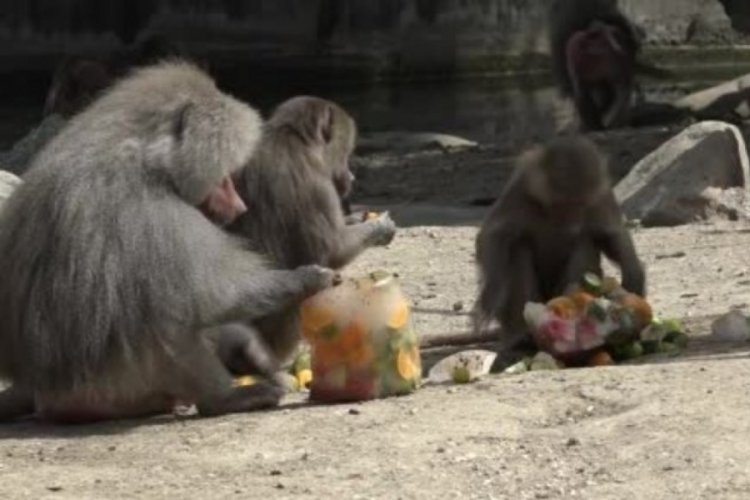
{"x":316,"y":278}
{"x":383,"y":229}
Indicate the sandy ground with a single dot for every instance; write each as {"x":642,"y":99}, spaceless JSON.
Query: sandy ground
{"x":667,"y":428}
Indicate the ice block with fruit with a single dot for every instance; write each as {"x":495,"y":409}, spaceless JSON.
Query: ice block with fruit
{"x":362,"y":341}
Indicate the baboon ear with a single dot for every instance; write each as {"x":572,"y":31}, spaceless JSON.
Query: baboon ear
{"x":325,"y":124}
{"x":180,"y":119}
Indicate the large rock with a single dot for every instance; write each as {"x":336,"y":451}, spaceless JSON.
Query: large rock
{"x":728,"y":99}
{"x":684,"y":179}
{"x":8,"y":183}
{"x":400,"y":141}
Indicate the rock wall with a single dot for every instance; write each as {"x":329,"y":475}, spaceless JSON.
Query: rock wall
{"x":402,"y":36}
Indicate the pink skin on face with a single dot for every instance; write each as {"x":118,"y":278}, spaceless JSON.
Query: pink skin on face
{"x":223,"y":203}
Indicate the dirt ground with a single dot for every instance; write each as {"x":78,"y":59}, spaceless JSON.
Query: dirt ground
{"x":666,"y":428}
{"x":669,"y":428}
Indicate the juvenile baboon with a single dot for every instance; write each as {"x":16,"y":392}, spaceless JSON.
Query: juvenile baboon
{"x":552,"y":223}
{"x":595,"y":53}
{"x":111,"y":271}
{"x":294,"y":186}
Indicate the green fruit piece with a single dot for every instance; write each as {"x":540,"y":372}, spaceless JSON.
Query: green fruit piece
{"x":461,"y":375}
{"x":592,"y":283}
{"x":329,"y":332}
{"x":596,"y":310}
{"x":632,"y":350}
{"x":650,"y":346}
{"x":677,"y":338}
{"x":544,"y":361}
{"x":520,"y":367}
{"x":289,"y":381}
{"x":672,"y":325}
{"x":667,"y":348}
{"x":395,"y":342}
{"x":619,"y":339}
{"x":653,"y":333}
{"x":302,"y":362}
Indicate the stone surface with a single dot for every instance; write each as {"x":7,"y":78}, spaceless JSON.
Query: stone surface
{"x":407,"y":36}
{"x":732,"y":326}
{"x":727,"y":98}
{"x":399,"y":141}
{"x":677,"y":183}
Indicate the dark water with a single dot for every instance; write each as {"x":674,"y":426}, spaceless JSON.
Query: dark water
{"x":484,"y":111}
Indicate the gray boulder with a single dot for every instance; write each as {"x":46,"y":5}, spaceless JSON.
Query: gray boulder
{"x":399,"y":141}
{"x":689,"y":178}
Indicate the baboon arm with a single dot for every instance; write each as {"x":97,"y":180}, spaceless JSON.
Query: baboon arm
{"x":493,"y":255}
{"x":618,"y":247}
{"x":351,"y":241}
{"x":333,"y":242}
{"x":263,"y":293}
{"x":226,"y":282}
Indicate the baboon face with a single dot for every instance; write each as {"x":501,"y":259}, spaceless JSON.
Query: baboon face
{"x":327,"y":129}
{"x":567,"y":174}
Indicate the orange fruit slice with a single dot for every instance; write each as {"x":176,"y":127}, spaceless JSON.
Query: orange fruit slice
{"x":601,"y":358}
{"x":563,"y":307}
{"x":399,"y":316}
{"x":581,"y":300}
{"x":639,"y":307}
{"x":244,"y":380}
{"x":406,"y":364}
{"x":314,"y":318}
{"x":304,"y":377}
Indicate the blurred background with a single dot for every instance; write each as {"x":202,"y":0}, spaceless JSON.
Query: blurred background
{"x":473,"y":68}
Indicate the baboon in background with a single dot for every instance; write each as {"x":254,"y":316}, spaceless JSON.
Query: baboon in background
{"x":555,"y":218}
{"x":111,"y":271}
{"x":75,"y":83}
{"x":595,"y":52}
{"x":78,"y":80}
{"x":293,"y":187}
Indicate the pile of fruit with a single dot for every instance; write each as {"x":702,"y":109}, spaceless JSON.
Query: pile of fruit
{"x":362,"y":342}
{"x":598,"y":322}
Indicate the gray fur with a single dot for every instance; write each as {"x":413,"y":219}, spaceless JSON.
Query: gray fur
{"x":110,"y":272}
{"x":293,"y":187}
{"x":530,"y":249}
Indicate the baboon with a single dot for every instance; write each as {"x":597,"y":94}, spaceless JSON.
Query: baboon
{"x":112,"y":270}
{"x":555,"y":218}
{"x":75,"y":83}
{"x":78,"y":80}
{"x":294,"y":186}
{"x":595,"y":53}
